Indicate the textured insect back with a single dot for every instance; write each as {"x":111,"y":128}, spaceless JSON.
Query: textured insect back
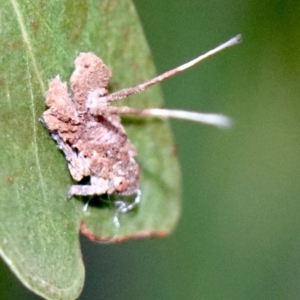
{"x":90,"y":75}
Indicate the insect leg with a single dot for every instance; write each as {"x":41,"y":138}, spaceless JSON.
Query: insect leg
{"x":124,"y":207}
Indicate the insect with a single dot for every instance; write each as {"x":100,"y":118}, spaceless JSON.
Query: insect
{"x":88,"y":129}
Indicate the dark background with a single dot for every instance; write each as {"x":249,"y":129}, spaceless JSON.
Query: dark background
{"x":239,"y":233}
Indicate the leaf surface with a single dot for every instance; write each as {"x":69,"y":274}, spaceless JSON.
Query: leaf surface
{"x":39,"y":228}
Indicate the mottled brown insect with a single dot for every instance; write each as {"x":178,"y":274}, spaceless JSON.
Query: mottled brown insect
{"x":88,"y":129}
{"x":94,"y":145}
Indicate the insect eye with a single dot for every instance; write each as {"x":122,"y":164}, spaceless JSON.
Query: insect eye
{"x":120,"y":184}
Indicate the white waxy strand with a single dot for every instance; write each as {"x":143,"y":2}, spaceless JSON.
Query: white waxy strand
{"x":212,"y":119}
{"x":234,"y":41}
{"x":124,"y":93}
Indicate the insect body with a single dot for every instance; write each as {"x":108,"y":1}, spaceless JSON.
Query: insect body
{"x":94,"y":145}
{"x":88,"y":129}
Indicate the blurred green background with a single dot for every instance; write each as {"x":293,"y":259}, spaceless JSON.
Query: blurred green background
{"x":239,"y":233}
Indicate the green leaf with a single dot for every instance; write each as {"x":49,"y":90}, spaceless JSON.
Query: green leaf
{"x":39,"y":228}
